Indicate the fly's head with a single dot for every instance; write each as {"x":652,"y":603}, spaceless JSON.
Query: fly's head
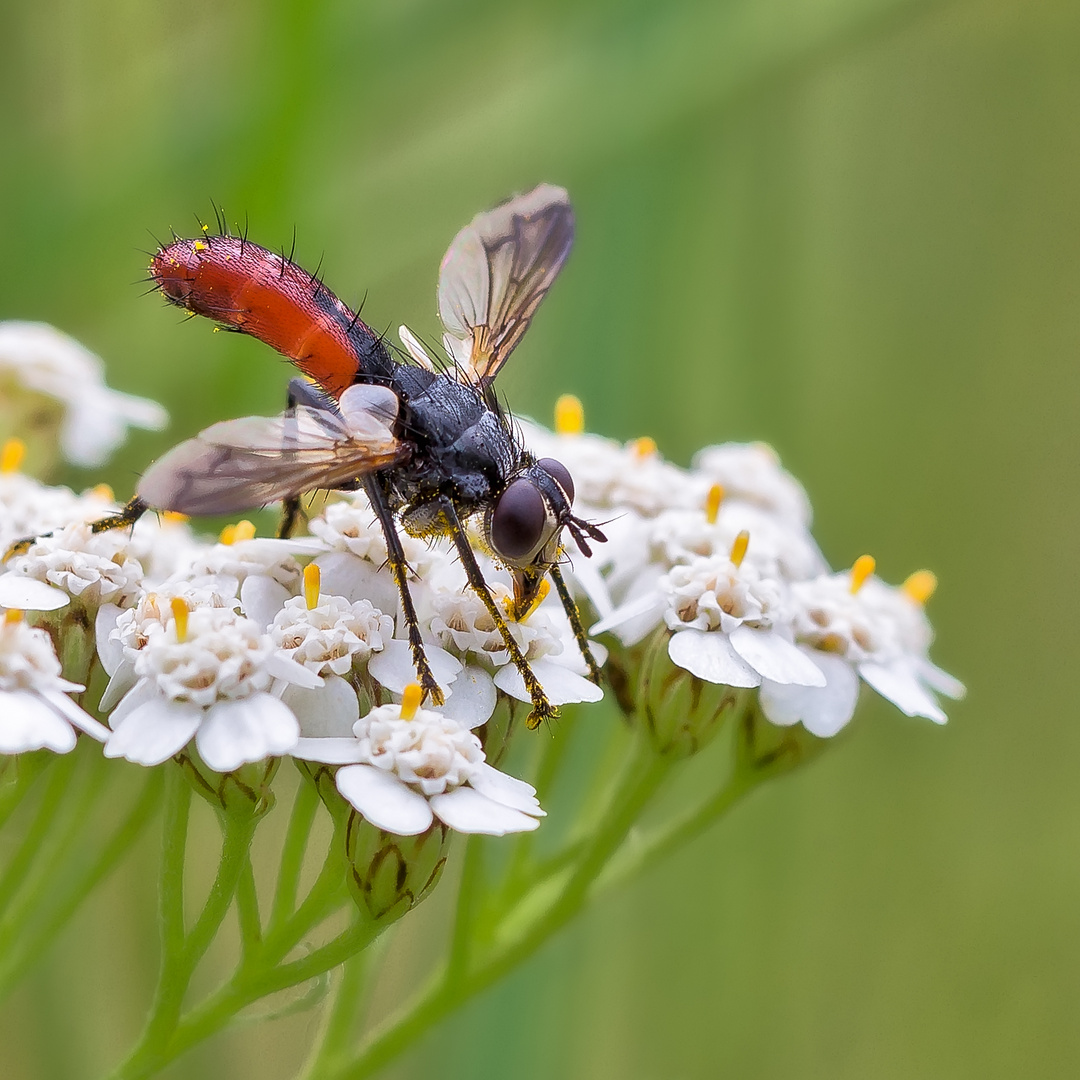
{"x":524,"y":527}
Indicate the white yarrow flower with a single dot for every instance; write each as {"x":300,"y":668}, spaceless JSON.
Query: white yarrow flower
{"x":210,"y":680}
{"x":46,"y":361}
{"x":410,"y":765}
{"x":35,"y":710}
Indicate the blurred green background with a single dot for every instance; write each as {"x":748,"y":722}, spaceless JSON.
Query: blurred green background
{"x":847,"y":227}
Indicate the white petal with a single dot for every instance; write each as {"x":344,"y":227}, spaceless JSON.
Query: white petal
{"x":470,"y":812}
{"x":822,"y":710}
{"x":27,"y":723}
{"x":939,"y":680}
{"x":29,"y":594}
{"x":75,"y":715}
{"x":345,"y":574}
{"x":262,"y":598}
{"x":327,"y":710}
{"x":650,"y":606}
{"x":774,"y":658}
{"x":586,"y":574}
{"x":330,"y":750}
{"x":507,"y":790}
{"x":384,"y":800}
{"x":154,"y":731}
{"x":899,"y":685}
{"x":123,"y":679}
{"x":253,"y":728}
{"x":110,"y":651}
{"x":393,"y":667}
{"x":285,"y":667}
{"x":143,"y":691}
{"x":709,"y":655}
{"x":561,"y":685}
{"x":473,"y":697}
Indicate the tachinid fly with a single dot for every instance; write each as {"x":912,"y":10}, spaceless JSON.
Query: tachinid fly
{"x":428,"y":442}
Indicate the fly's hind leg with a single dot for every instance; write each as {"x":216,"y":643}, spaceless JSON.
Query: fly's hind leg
{"x":398,"y":567}
{"x":542,"y":708}
{"x":572,"y":614}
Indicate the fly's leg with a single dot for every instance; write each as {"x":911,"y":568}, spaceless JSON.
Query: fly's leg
{"x":290,"y":511}
{"x":398,"y":567}
{"x":542,"y":708}
{"x":575,"y":624}
{"x":123,"y":520}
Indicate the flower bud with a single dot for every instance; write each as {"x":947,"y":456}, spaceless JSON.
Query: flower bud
{"x":390,"y":874}
{"x":244,"y":792}
{"x":681,"y":713}
{"x":766,"y":749}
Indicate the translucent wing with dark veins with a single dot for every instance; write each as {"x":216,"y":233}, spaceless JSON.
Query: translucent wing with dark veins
{"x":239,"y":464}
{"x":495,"y":273}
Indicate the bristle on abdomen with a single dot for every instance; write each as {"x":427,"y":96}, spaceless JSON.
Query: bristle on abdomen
{"x":253,"y":290}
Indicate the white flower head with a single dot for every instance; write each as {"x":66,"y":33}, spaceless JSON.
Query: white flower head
{"x":35,"y":709}
{"x":853,"y":625}
{"x":76,"y":564}
{"x":210,"y":674}
{"x":751,"y":472}
{"x":45,"y":361}
{"x":332,"y":635}
{"x":410,"y":765}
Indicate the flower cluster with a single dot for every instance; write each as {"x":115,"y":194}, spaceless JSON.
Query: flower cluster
{"x":245,"y":649}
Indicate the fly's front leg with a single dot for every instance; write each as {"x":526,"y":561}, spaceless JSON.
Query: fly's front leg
{"x":542,"y":708}
{"x":575,"y":624}
{"x":398,"y":567}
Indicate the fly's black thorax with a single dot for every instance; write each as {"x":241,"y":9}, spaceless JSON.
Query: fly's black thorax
{"x":463,"y":448}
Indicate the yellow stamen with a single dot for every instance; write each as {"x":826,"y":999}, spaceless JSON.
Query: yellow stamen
{"x":738,"y":549}
{"x":712,"y":502}
{"x":12,"y":454}
{"x":642,"y":448}
{"x":175,"y":517}
{"x":180,"y":612}
{"x":569,"y":415}
{"x":410,"y":700}
{"x":920,"y":586}
{"x":863,"y":567}
{"x":103,"y":492}
{"x":13,"y":615}
{"x":312,"y":581}
{"x":233,"y":534}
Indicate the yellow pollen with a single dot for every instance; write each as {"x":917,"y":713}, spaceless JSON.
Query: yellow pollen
{"x":921,"y":585}
{"x":712,"y":502}
{"x":233,"y":534}
{"x":227,"y":535}
{"x":642,"y":448}
{"x":863,"y":567}
{"x":311,"y":586}
{"x":11,"y":455}
{"x":205,"y":228}
{"x":738,"y":549}
{"x":569,"y":415}
{"x":103,"y":492}
{"x":13,"y":615}
{"x":180,"y":612}
{"x":175,"y":517}
{"x":410,"y":700}
{"x":200,"y":246}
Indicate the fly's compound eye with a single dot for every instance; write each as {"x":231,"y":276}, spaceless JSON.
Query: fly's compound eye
{"x":561,"y":475}
{"x":518,"y":520}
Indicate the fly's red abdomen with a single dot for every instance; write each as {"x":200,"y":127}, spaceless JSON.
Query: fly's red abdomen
{"x":244,"y":286}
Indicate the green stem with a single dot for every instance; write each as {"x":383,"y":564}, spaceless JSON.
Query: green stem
{"x":27,"y":769}
{"x":305,"y":803}
{"x":247,"y":907}
{"x":40,"y":934}
{"x":340,"y":1017}
{"x":644,"y":774}
{"x":468,"y":901}
{"x":23,"y":860}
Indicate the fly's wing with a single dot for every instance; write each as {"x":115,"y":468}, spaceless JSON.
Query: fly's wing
{"x":255,"y":460}
{"x":496,"y":272}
